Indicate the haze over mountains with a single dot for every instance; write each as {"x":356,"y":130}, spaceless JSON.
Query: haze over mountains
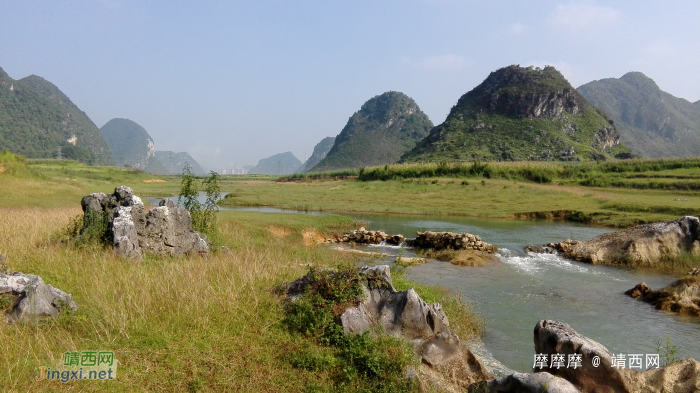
{"x":320,"y":151}
{"x":38,"y":121}
{"x":517,"y":113}
{"x":279,"y":164}
{"x":385,"y":127}
{"x":651,"y":122}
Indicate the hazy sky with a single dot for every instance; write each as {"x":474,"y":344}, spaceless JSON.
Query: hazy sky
{"x":237,"y":81}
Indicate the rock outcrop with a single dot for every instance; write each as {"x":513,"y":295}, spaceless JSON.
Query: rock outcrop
{"x":166,"y":229}
{"x":450,"y":240}
{"x":557,"y":338}
{"x":404,"y":314}
{"x":543,"y":382}
{"x":25,"y":297}
{"x":642,"y":246}
{"x":682,"y":296}
{"x":363,"y":236}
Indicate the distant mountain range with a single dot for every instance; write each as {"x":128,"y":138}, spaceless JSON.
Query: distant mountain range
{"x":385,"y":127}
{"x":651,"y":122}
{"x":279,"y":164}
{"x":38,"y":121}
{"x":521,"y":114}
{"x":132,"y":146}
{"x":175,"y":162}
{"x":320,"y":151}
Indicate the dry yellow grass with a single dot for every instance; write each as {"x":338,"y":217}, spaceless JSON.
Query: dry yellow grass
{"x":175,"y":324}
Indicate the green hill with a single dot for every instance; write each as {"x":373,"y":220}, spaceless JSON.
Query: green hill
{"x":521,"y":114}
{"x":279,"y":164}
{"x":178,"y":162}
{"x":37,"y":121}
{"x":384,"y":128}
{"x":320,"y":151}
{"x":131,"y":145}
{"x":650,"y":121}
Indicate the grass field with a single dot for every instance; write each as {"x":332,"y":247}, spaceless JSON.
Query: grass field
{"x":175,"y":324}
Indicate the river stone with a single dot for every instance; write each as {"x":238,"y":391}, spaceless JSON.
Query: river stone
{"x":552,"y":337}
{"x":542,"y":382}
{"x":681,"y":296}
{"x":33,"y":299}
{"x":644,"y":245}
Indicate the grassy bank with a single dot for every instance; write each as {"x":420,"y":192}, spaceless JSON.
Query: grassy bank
{"x":175,"y":324}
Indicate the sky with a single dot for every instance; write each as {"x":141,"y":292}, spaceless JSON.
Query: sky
{"x":232,"y":82}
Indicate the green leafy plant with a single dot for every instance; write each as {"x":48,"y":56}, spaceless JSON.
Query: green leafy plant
{"x":203,"y":215}
{"x":363,"y":362}
{"x":668,"y":353}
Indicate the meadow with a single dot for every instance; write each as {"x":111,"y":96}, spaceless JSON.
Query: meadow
{"x":175,"y":324}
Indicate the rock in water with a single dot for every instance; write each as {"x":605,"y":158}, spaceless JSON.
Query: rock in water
{"x":643,"y":246}
{"x":552,"y":337}
{"x":543,"y":382}
{"x":682,"y":296}
{"x":30,"y":298}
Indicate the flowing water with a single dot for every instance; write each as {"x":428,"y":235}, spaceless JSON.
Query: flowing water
{"x":513,"y":294}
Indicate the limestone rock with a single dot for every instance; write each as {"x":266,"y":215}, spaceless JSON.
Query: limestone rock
{"x":542,"y":382}
{"x":682,"y":296}
{"x":363,"y":236}
{"x":404,"y":314}
{"x":450,"y":240}
{"x":643,"y":246}
{"x":31,"y":298}
{"x":166,"y":229}
{"x":553,"y":337}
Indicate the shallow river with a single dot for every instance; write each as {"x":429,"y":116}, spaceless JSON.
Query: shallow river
{"x":515,"y":293}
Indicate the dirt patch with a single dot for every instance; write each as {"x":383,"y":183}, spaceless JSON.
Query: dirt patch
{"x":2,"y":169}
{"x":279,"y":231}
{"x":154,"y":181}
{"x":311,"y":237}
{"x":366,"y":253}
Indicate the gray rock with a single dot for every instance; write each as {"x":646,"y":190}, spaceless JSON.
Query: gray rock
{"x":166,"y":229}
{"x":403,"y":314}
{"x":644,"y":245}
{"x":552,"y":337}
{"x":32,"y":298}
{"x":543,"y":382}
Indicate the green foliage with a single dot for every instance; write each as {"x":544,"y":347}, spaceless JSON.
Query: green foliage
{"x":361,"y":362}
{"x":13,"y":164}
{"x":668,"y":352}
{"x":497,"y":121}
{"x":386,"y":127}
{"x":87,"y":230}
{"x":203,"y":215}
{"x":36,"y":118}
{"x":650,"y":121}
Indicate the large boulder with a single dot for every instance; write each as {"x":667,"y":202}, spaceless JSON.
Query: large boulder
{"x":682,"y":296}
{"x":25,"y":297}
{"x":404,"y":314}
{"x":557,"y":338}
{"x":166,"y":229}
{"x":641,"y":246}
{"x":543,"y":382}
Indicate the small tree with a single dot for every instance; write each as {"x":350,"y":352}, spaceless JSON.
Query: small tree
{"x":203,"y":215}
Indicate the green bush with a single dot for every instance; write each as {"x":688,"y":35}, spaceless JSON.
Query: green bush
{"x":364,"y":362}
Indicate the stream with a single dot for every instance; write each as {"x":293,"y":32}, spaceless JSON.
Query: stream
{"x":515,"y":293}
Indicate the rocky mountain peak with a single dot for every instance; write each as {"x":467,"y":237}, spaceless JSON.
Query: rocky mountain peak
{"x":527,"y":92}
